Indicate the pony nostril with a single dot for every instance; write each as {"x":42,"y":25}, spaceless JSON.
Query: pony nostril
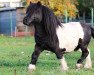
{"x":34,"y":18}
{"x":25,"y":20}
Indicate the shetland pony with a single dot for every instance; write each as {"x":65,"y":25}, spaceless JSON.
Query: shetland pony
{"x":57,"y":37}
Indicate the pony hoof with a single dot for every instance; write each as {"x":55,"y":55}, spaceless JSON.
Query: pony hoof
{"x":79,"y":66}
{"x":88,"y":66}
{"x":65,"y":69}
{"x":31,"y":68}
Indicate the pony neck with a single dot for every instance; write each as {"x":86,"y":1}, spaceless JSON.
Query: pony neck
{"x":39,"y":29}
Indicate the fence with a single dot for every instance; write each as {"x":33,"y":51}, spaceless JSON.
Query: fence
{"x":11,"y":22}
{"x":80,"y":19}
{"x":23,"y":31}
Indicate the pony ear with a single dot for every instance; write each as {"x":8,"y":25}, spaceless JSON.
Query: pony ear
{"x":39,"y":3}
{"x":30,"y":2}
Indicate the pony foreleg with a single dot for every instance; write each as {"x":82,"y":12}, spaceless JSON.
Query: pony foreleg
{"x":34,"y":58}
{"x":63,"y":64}
{"x":59,"y":54}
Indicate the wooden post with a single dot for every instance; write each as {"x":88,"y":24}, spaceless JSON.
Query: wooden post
{"x":66,"y":16}
{"x":11,"y":24}
{"x":26,"y":31}
{"x":92,"y":16}
{"x":14,"y":71}
{"x":15,"y":31}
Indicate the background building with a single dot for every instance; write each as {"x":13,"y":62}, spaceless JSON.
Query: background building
{"x":10,"y":3}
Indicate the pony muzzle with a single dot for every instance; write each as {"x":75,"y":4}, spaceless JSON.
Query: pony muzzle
{"x":25,"y":21}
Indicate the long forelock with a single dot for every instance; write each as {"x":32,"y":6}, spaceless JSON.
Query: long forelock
{"x":32,"y":7}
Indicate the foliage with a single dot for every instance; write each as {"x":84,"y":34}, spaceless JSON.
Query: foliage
{"x":84,"y":8}
{"x":88,"y":3}
{"x":24,"y":2}
{"x":61,"y":6}
{"x":81,"y":7}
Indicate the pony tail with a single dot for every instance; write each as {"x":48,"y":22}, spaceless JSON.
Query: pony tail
{"x":92,"y":31}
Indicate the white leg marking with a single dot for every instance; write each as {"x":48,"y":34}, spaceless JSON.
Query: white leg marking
{"x":78,"y":66}
{"x":63,"y":64}
{"x":88,"y":63}
{"x":31,"y":67}
{"x":80,"y":50}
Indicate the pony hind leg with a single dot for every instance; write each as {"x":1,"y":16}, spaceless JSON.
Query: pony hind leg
{"x":88,"y":63}
{"x":85,"y":54}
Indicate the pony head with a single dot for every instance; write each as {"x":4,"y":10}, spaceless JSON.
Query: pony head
{"x":33,"y":14}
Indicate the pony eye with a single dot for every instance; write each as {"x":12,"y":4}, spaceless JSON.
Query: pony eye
{"x":38,"y":10}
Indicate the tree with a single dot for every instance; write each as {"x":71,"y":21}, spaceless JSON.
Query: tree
{"x":82,"y":10}
{"x":88,"y":3}
{"x":60,"y":6}
{"x":85,"y":6}
{"x":24,"y":2}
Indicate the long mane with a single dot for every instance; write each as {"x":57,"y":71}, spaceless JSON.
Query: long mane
{"x":50,"y":21}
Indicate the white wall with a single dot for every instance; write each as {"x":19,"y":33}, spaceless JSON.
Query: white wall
{"x":11,"y":3}
{"x":16,"y":4}
{"x":10,"y":0}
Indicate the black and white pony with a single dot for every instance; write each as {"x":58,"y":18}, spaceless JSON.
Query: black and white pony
{"x":57,"y":37}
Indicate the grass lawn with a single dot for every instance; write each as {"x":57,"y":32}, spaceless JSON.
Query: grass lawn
{"x":15,"y":54}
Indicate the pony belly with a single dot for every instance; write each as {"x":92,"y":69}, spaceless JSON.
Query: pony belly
{"x":69,"y":45}
{"x":67,"y":41}
{"x":69,"y":36}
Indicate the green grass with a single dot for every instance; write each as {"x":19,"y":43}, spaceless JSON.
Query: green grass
{"x":15,"y":54}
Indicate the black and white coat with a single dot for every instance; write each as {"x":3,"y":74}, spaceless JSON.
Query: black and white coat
{"x":58,"y":37}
